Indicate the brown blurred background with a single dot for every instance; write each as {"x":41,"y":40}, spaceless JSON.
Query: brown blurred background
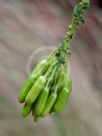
{"x":28,"y":25}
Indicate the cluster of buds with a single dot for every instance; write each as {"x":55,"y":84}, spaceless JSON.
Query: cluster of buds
{"x":48,"y":87}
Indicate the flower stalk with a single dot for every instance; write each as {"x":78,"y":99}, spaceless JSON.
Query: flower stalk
{"x":78,"y":17}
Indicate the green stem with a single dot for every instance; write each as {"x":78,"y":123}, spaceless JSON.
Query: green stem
{"x":51,"y":77}
{"x":78,"y":18}
{"x":53,"y":64}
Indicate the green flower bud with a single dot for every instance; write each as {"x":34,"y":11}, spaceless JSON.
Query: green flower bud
{"x":30,"y":81}
{"x":61,"y":100}
{"x":35,"y":90}
{"x":62,"y":80}
{"x":49,"y":104}
{"x":25,"y":89}
{"x":38,"y":68}
{"x":36,"y":118}
{"x":41,"y":101}
{"x":26,"y":110}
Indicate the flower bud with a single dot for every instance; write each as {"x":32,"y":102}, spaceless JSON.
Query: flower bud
{"x":35,"y":90}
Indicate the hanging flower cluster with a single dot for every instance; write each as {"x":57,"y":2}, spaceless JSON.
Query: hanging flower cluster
{"x":48,"y":88}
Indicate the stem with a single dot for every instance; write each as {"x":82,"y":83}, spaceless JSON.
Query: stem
{"x":53,"y":64}
{"x":51,"y":77}
{"x":78,"y":18}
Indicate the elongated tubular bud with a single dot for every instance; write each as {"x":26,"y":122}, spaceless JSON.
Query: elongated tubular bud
{"x":31,"y":79}
{"x":35,"y":90}
{"x":61,"y":80}
{"x":25,"y":89}
{"x":36,"y":118}
{"x":26,"y":110}
{"x":41,"y":101}
{"x":61,"y":100}
{"x":49,"y":104}
{"x":41,"y":70}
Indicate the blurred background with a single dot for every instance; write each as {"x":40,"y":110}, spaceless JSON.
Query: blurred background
{"x":27,"y":29}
